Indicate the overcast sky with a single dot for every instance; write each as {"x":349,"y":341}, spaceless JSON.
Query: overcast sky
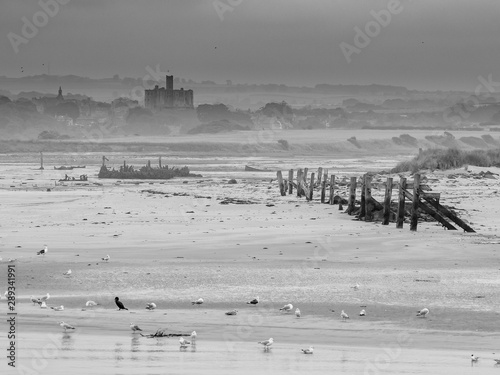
{"x":428,"y":44}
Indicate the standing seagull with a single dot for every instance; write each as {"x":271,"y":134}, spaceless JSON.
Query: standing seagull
{"x":151,"y":306}
{"x":66,"y":326}
{"x":67,"y":273}
{"x":183,"y":341}
{"x":308,"y":351}
{"x":106,"y":258}
{"x":199,"y":301}
{"x":119,"y":304}
{"x":45,"y":298}
{"x":344,"y":316}
{"x":297,"y":313}
{"x":473,"y":358}
{"x":423,"y":312}
{"x":44,"y":251}
{"x":254,"y":301}
{"x":91,"y":304}
{"x":287,"y":308}
{"x":193,"y":336}
{"x":267,"y":344}
{"x":134,"y":327}
{"x":362,"y":313}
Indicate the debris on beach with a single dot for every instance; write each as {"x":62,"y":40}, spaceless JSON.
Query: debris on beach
{"x":163,"y":333}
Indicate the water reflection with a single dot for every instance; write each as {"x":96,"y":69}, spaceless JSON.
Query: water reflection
{"x":134,"y":348}
{"x":118,"y":352}
{"x":67,"y":341}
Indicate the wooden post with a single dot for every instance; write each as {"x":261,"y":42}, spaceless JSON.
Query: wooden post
{"x":323,"y":191}
{"x":305,"y":174}
{"x":311,"y":187}
{"x":352,"y":196}
{"x":320,"y":174}
{"x":416,"y":199}
{"x":124,"y":164}
{"x":281,"y":184}
{"x":362,"y":209}
{"x":159,"y":162}
{"x":368,"y":198}
{"x":290,"y":181}
{"x":401,"y":203}
{"x":41,"y":160}
{"x":103,"y":161}
{"x":387,"y":201}
{"x":149,"y":164}
{"x":299,"y":182}
{"x":332,"y":182}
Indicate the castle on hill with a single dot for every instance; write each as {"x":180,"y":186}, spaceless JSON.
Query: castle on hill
{"x":166,"y":97}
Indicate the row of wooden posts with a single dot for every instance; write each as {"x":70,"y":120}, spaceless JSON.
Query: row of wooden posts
{"x":425,"y":201}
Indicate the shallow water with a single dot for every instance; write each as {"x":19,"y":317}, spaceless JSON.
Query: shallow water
{"x":129,"y":353}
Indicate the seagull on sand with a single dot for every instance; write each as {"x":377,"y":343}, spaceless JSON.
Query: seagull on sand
{"x":267,"y":344}
{"x":297,"y":313}
{"x":199,"y":301}
{"x":344,"y":316}
{"x":134,"y":327}
{"x":44,"y":251}
{"x":66,"y":326}
{"x":106,"y":258}
{"x":34,"y":300}
{"x":362,"y":313}
{"x":43,"y":305}
{"x":183,"y":341}
{"x":308,"y":351}
{"x":287,"y":308}
{"x":473,"y":358}
{"x":151,"y":306}
{"x":91,"y":304}
{"x":193,"y":336}
{"x":254,"y":301}
{"x":67,"y":273}
{"x":119,"y":304}
{"x":45,"y":298}
{"x":497,"y":361}
{"x":423,"y":312}
{"x":58,"y":308}
{"x":232,"y":312}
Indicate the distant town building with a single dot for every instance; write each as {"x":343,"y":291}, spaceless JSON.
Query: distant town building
{"x":45,"y":102}
{"x":166,"y":97}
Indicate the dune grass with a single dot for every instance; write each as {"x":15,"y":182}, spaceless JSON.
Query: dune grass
{"x":448,"y":159}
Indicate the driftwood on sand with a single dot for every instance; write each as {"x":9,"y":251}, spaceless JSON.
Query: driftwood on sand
{"x":163,"y":333}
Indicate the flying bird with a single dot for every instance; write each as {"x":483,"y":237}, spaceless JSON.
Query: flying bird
{"x":362,"y":313}
{"x":344,"y":316}
{"x":287,"y":308}
{"x":106,"y":258}
{"x":58,"y":308}
{"x":91,"y":304}
{"x":297,"y":313}
{"x":66,"y":326}
{"x":67,"y":273}
{"x":473,"y":358}
{"x":308,"y":351}
{"x":119,"y":304}
{"x":44,"y":251}
{"x":254,"y":301}
{"x":267,"y":344}
{"x":423,"y":312}
{"x":199,"y":301}
{"x":151,"y":306}
{"x":134,"y":327}
{"x":232,"y":312}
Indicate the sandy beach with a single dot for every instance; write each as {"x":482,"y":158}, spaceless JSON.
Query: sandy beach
{"x":172,"y":242}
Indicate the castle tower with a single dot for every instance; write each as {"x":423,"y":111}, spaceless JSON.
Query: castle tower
{"x":170,"y":83}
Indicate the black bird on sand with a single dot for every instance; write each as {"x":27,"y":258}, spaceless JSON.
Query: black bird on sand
{"x":119,"y":304}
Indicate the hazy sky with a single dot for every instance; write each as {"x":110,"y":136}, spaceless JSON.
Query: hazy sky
{"x":427,"y":44}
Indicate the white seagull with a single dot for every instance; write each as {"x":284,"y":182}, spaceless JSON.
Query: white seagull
{"x":254,"y":301}
{"x":45,"y":298}
{"x":362,"y":313}
{"x":193,"y":335}
{"x":473,"y":358}
{"x":151,"y":306}
{"x":134,"y":327}
{"x":297,"y":313}
{"x":58,"y":308}
{"x":199,"y":301}
{"x":91,"y":304}
{"x":344,"y":316}
{"x":267,"y":344}
{"x":43,"y":305}
{"x":423,"y":312}
{"x":182,"y":341}
{"x":67,"y":273}
{"x":308,"y":351}
{"x":287,"y":308}
{"x":106,"y":258}
{"x":44,"y":251}
{"x":66,"y":326}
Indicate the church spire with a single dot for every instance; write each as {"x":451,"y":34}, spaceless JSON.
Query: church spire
{"x":59,"y":95}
